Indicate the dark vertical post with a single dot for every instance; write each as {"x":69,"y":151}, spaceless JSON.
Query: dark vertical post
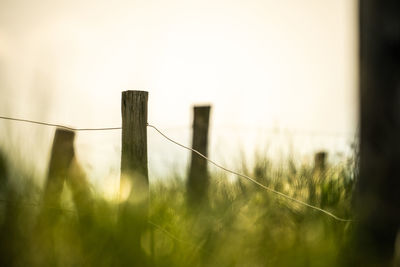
{"x":9,"y":225}
{"x":62,"y":154}
{"x":320,"y":161}
{"x":63,"y":168}
{"x":3,"y":174}
{"x":317,"y":177}
{"x":378,"y":187}
{"x":134,"y":141}
{"x":198,"y":173}
{"x":134,"y":175}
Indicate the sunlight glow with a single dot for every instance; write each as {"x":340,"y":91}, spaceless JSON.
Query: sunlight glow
{"x":262,"y":64}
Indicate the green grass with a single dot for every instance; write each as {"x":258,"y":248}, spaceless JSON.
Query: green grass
{"x":239,"y":224}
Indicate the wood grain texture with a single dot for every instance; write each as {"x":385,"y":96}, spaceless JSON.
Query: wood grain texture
{"x":134,"y":135}
{"x":133,"y":211}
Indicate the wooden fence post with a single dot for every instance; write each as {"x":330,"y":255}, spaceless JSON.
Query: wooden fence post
{"x":198,"y":179}
{"x":64,"y":167}
{"x":61,"y":157}
{"x":378,"y":185}
{"x":134,"y":142}
{"x":134,"y":178}
{"x":318,"y":175}
{"x":320,"y":161}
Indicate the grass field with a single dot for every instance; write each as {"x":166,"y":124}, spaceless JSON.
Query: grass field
{"x":239,"y":224}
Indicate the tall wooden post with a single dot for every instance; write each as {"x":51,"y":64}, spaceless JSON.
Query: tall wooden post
{"x":134,"y":141}
{"x":198,"y":174}
{"x":378,"y":187}
{"x":134,"y":178}
{"x":61,"y":157}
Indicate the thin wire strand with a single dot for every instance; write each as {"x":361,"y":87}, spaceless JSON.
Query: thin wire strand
{"x":61,"y":126}
{"x":252,"y":179}
{"x":281,"y":131}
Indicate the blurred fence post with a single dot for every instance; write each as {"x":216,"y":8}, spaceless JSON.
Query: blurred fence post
{"x":3,"y":174}
{"x":378,"y":185}
{"x":320,"y":161}
{"x":62,"y":154}
{"x":134,"y":182}
{"x":64,"y":167}
{"x":198,"y":179}
{"x":318,"y":175}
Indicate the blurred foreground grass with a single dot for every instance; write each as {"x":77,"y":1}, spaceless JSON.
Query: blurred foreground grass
{"x":239,"y":224}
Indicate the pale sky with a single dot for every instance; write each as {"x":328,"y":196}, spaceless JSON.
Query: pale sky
{"x":288,"y":64}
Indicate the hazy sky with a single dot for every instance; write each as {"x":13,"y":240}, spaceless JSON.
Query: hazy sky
{"x":262,"y":64}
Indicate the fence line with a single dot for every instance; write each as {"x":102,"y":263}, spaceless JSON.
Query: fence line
{"x":279,"y":131}
{"x":252,"y":179}
{"x":272,"y":131}
{"x":61,"y":126}
{"x":201,"y":155}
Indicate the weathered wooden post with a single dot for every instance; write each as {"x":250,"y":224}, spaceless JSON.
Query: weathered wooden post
{"x":134,"y":143}
{"x":378,"y":186}
{"x":134,"y":177}
{"x":198,"y":179}
{"x":61,"y":157}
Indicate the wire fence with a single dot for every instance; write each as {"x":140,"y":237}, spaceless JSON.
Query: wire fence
{"x":61,"y":126}
{"x":272,"y":131}
{"x":254,"y":181}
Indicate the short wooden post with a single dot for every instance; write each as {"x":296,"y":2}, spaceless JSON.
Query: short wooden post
{"x":134,"y":178}
{"x":320,"y":161}
{"x":318,"y":175}
{"x":62,"y":154}
{"x":198,"y":179}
